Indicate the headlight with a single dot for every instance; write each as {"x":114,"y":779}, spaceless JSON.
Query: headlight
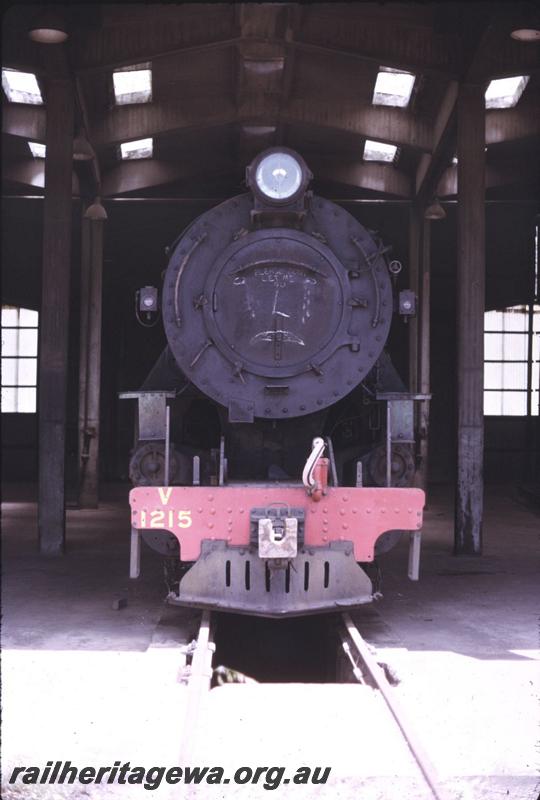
{"x":279,"y":176}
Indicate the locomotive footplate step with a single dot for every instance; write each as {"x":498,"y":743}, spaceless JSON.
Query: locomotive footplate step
{"x":236,"y":579}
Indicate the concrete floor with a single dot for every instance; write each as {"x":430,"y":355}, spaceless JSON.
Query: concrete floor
{"x":84,"y":682}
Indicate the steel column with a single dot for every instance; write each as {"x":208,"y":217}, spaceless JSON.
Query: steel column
{"x":90,"y":361}
{"x":470,"y":321}
{"x":54,"y":320}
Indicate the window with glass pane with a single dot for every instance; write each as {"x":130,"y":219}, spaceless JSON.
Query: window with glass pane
{"x":19,"y":360}
{"x":512,"y":361}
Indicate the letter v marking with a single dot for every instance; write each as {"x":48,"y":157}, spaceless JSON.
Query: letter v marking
{"x":165,"y":494}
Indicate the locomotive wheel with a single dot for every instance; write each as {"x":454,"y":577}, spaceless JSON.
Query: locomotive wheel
{"x":162,"y":542}
{"x":386,"y":542}
{"x":402,"y":465}
{"x":147,"y":465}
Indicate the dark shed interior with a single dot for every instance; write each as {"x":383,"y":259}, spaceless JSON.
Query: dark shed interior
{"x":229,"y":80}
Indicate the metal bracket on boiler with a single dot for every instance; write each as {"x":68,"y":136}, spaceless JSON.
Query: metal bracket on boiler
{"x":153,"y":424}
{"x":152,"y":413}
{"x":399,"y":422}
{"x":400,"y":430}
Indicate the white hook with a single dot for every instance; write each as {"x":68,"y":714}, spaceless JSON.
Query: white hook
{"x":318,"y":446}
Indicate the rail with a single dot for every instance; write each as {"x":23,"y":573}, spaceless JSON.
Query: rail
{"x":198,"y":685}
{"x":363,"y":661}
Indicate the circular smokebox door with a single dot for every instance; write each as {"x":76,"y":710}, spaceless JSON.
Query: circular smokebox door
{"x":277,"y":303}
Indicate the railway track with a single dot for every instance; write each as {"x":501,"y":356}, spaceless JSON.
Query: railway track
{"x":199,"y":678}
{"x":364,"y":667}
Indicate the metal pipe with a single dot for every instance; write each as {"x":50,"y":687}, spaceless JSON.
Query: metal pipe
{"x":167,"y":444}
{"x":389,"y":443}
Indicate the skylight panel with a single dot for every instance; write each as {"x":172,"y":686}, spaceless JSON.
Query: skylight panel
{"x":393,"y":88}
{"x":133,"y":85}
{"x":505,"y":92}
{"x":379,"y":151}
{"x":38,"y":150}
{"x":142,"y":148}
{"x":21,"y":87}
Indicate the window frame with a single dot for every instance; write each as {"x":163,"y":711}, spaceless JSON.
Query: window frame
{"x":531,"y":309}
{"x":17,"y":358}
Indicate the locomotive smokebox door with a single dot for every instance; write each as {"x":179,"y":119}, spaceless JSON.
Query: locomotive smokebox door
{"x":312,"y":305}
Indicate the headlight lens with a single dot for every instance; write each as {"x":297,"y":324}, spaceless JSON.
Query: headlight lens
{"x":279,"y":176}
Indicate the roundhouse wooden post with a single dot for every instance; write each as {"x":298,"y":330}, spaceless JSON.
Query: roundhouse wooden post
{"x":470,"y":318}
{"x":54,"y":321}
{"x":90,"y":360}
{"x":415,"y":233}
{"x":424,"y":380}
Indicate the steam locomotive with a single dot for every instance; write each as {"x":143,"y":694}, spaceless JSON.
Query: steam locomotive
{"x":275,"y":453}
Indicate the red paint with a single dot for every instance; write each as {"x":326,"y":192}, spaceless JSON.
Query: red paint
{"x":320,"y":474}
{"x":357,"y":515}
